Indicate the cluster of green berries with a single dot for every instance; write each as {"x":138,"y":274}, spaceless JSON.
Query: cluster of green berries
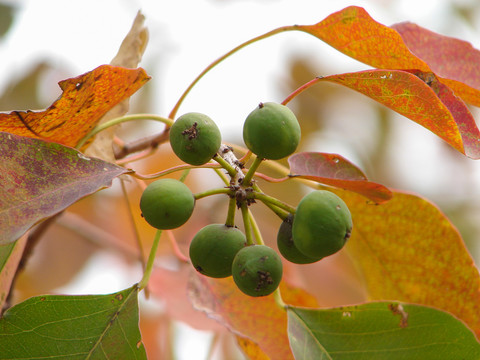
{"x":319,"y":227}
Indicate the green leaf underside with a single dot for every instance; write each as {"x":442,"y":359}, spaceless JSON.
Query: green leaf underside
{"x":73,"y":327}
{"x":379,"y":330}
{"x":39,"y":179}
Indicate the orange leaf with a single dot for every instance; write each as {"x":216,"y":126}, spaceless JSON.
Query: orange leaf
{"x":85,"y":99}
{"x":257,"y":319}
{"x":409,"y":251}
{"x":422,"y":98}
{"x":456,"y":61}
{"x":353,"y":32}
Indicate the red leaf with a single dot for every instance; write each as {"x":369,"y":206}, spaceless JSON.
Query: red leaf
{"x":452,"y":59}
{"x":422,"y":98}
{"x":38,"y":179}
{"x":335,"y":170}
{"x":85,"y":99}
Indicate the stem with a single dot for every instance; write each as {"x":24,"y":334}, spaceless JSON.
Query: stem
{"x":151,"y":259}
{"x":223,"y":57}
{"x":256,"y":229}
{"x":231,"y":171}
{"x":277,"y":295}
{"x":272,"y":180}
{"x":120,"y":120}
{"x":247,"y":224}
{"x":172,"y":170}
{"x":267,"y":199}
{"x":213,"y":192}
{"x":301,"y":89}
{"x":184,"y":175}
{"x":176,"y":250}
{"x":222,"y":176}
{"x":251,"y":171}
{"x":232,"y":207}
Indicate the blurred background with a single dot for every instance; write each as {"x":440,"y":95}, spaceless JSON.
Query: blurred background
{"x":43,"y":42}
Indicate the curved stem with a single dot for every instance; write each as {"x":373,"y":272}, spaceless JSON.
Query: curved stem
{"x":231,"y":171}
{"x":247,"y":224}
{"x":232,"y":207}
{"x":222,"y":176}
{"x":213,"y":192}
{"x":223,"y":57}
{"x":267,"y":199}
{"x":277,"y":295}
{"x":301,"y":89}
{"x":272,"y":180}
{"x":256,"y":229}
{"x":120,"y":120}
{"x":172,"y":170}
{"x":151,"y":259}
{"x":251,"y":171}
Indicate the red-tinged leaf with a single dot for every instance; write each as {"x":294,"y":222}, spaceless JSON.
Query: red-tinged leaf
{"x":259,"y":319}
{"x":335,"y":170}
{"x":409,"y":251}
{"x":85,"y":99}
{"x":422,"y":98}
{"x":353,"y":32}
{"x":38,"y":179}
{"x":454,"y":60}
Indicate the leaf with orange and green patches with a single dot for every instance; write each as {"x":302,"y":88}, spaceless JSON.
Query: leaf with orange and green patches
{"x":353,"y":32}
{"x":38,"y":179}
{"x":335,"y":170}
{"x":259,"y":319}
{"x":422,"y":98}
{"x":409,"y":251}
{"x":85,"y":99}
{"x":455,"y":61}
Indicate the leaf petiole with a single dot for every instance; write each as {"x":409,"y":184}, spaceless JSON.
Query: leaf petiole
{"x":120,"y":120}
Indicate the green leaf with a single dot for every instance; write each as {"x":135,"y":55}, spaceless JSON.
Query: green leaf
{"x":379,"y":330}
{"x":39,"y":179}
{"x":73,"y":327}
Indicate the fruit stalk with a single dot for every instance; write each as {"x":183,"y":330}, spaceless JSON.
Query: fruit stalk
{"x":151,"y":259}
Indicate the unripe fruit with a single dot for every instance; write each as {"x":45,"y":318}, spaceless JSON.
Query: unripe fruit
{"x":195,"y":138}
{"x":213,"y":248}
{"x":257,"y":270}
{"x":287,"y":247}
{"x":322,"y":224}
{"x":167,"y":203}
{"x":271,"y":131}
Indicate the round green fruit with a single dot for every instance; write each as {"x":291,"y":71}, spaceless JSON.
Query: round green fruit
{"x":271,"y":131}
{"x":287,"y":247}
{"x":322,"y":224}
{"x":213,"y":248}
{"x":167,"y":203}
{"x":257,"y":270}
{"x":195,"y":138}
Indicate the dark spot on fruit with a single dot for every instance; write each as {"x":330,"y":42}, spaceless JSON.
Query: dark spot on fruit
{"x":191,"y":132}
{"x":243,"y":272}
{"x":264,"y":279}
{"x":263,"y":258}
{"x":199,"y":268}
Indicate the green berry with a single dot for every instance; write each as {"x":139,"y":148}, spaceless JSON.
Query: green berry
{"x":213,"y":248}
{"x":271,"y":131}
{"x":195,"y":138}
{"x":257,"y":270}
{"x":167,"y":203}
{"x":322,"y":224}
{"x":287,"y":247}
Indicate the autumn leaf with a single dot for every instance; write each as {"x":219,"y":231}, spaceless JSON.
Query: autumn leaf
{"x":38,"y":179}
{"x":409,"y":251}
{"x":454,"y":60}
{"x":335,"y":170}
{"x":353,"y":32}
{"x":242,"y":314}
{"x":421,"y":98}
{"x":85,"y":99}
